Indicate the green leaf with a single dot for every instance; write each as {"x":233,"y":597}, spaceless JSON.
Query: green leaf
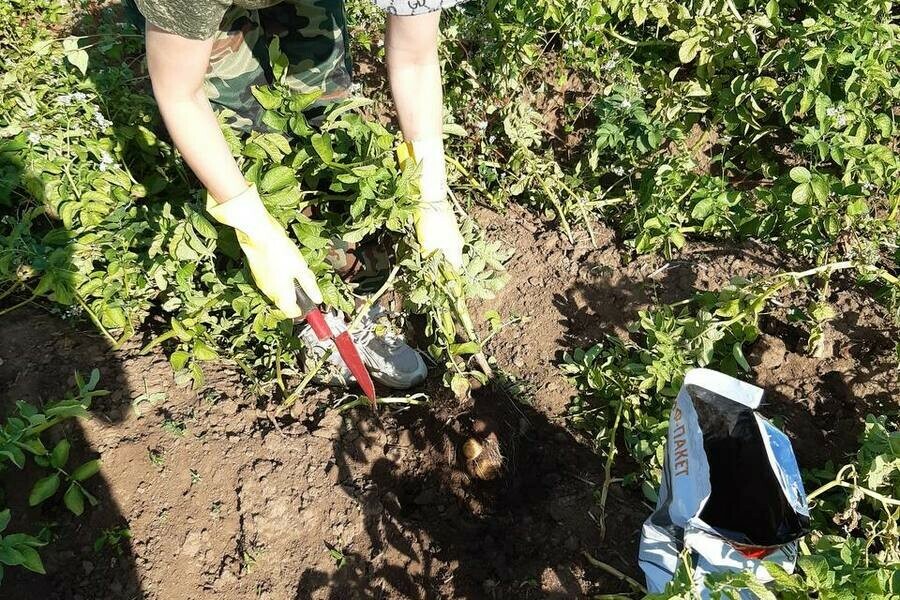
{"x":276,"y":145}
{"x":688,"y":49}
{"x":784,"y":580}
{"x":300,"y":101}
{"x":299,"y":125}
{"x":815,"y":568}
{"x":465,"y":348}
{"x":813,"y":54}
{"x":275,"y":120}
{"x":15,"y":455}
{"x":10,"y":556}
{"x":79,"y":59}
{"x":639,"y":14}
{"x":43,"y":489}
{"x":178,"y":359}
{"x":5,"y":516}
{"x":93,"y":380}
{"x":202,"y":225}
{"x":86,"y":470}
{"x":74,"y":500}
{"x":857,"y":207}
{"x":277,"y":178}
{"x":738,"y":352}
{"x":114,"y":317}
{"x":31,"y":560}
{"x":455,"y":129}
{"x":266,"y":96}
{"x":802,"y":193}
{"x":322,"y":145}
{"x":67,"y":410}
{"x":820,"y":188}
{"x":883,"y":122}
{"x":203,"y":351}
{"x":702,"y":209}
{"x":60,"y":454}
{"x":649,"y":492}
{"x":758,"y":588}
{"x":288,"y":197}
{"x":279,"y":59}
{"x":643,"y":243}
{"x":800,"y":175}
{"x":311,"y":235}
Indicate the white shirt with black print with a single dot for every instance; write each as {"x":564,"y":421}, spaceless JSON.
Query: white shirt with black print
{"x":406,"y":8}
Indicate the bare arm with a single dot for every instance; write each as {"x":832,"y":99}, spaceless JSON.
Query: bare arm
{"x":177,"y":68}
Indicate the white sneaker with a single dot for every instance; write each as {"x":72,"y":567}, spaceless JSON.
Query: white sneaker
{"x":390,"y":360}
{"x":334,"y":372}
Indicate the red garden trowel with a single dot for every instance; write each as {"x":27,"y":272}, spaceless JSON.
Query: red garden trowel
{"x":344,"y":344}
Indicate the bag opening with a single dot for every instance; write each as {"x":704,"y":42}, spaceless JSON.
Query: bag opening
{"x":746,"y":504}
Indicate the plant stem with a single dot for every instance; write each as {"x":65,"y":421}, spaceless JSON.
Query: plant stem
{"x":583,"y":210}
{"x":278,"y":378}
{"x":96,"y":320}
{"x":607,"y":469}
{"x":837,"y":266}
{"x":632,"y":42}
{"x":852,"y":486}
{"x":559,"y":211}
{"x":18,"y":305}
{"x":472,"y":181}
{"x":38,"y":429}
{"x":461,"y":312}
{"x":158,"y":340}
{"x":11,"y":289}
{"x":371,"y":300}
{"x":636,"y":586}
{"x":362,"y":401}
{"x":307,"y":378}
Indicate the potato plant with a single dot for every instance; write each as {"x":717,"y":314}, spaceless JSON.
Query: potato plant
{"x":22,"y":436}
{"x":684,"y":120}
{"x":108,"y":223}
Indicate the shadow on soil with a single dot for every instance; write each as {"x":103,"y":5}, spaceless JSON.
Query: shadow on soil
{"x":436,"y":532}
{"x":38,"y":358}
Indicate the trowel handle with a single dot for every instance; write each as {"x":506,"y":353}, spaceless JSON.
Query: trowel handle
{"x":313,"y":315}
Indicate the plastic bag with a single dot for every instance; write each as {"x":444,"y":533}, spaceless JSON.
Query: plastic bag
{"x":731,"y":492}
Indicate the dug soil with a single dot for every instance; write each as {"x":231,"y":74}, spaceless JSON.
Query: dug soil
{"x":224,"y":499}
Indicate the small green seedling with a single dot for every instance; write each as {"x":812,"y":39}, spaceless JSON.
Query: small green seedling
{"x":112,"y":538}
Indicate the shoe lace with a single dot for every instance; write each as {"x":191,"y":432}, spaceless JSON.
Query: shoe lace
{"x":368,"y":331}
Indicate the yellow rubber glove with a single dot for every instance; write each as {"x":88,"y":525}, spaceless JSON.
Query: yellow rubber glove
{"x":274,"y":259}
{"x":435,"y":221}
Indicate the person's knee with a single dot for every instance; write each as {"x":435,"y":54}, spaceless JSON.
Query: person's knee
{"x":414,"y":38}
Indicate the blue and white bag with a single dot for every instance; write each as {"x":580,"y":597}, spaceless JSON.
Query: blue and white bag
{"x":731,"y":491}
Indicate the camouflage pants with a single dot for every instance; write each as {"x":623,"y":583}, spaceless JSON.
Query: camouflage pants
{"x":313,"y":36}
